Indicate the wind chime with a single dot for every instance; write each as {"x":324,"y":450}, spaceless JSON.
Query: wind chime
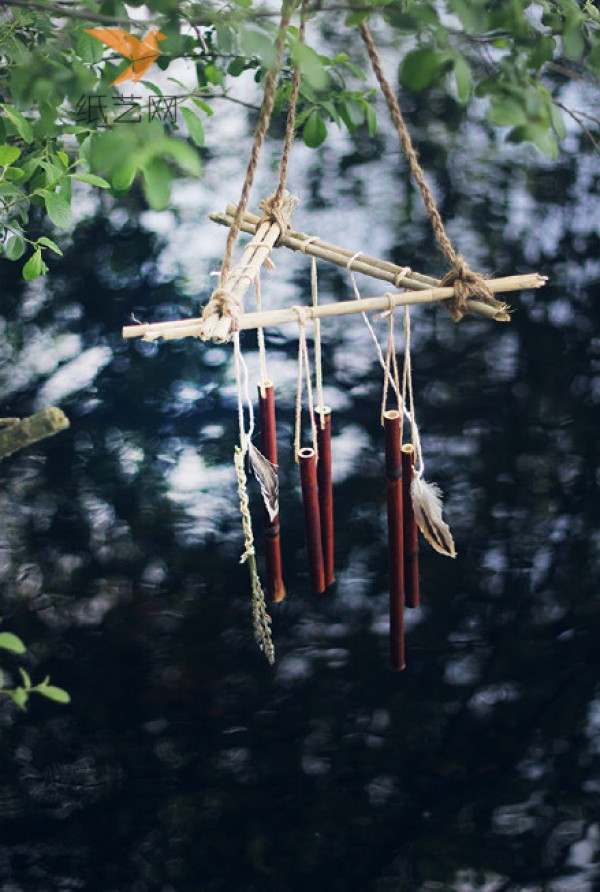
{"x":411,"y":501}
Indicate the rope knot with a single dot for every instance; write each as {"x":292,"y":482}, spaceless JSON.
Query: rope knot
{"x":221,"y":315}
{"x":467,"y":285}
{"x":274,"y":211}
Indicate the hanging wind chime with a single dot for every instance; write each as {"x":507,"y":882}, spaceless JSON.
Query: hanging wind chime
{"x":412,"y":502}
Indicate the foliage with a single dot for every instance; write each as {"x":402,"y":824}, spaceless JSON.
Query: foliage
{"x":20,"y":694}
{"x":62,"y":123}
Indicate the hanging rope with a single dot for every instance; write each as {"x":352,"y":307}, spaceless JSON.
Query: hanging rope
{"x":409,"y":404}
{"x":467,"y":283}
{"x":318,"y":360}
{"x":260,"y":617}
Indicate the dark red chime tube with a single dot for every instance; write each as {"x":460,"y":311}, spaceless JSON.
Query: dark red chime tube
{"x":268,"y":447}
{"x":393,"y":474}
{"x":410,"y":532}
{"x":312,"y":519}
{"x":323,"y":423}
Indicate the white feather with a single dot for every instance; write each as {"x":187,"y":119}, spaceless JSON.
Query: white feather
{"x":266,"y":474}
{"x":427,"y":507}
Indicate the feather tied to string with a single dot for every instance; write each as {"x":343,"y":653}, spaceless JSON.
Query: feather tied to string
{"x":427,"y":508}
{"x":266,"y":474}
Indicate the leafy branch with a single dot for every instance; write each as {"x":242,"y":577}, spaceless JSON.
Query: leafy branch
{"x":21,"y":693}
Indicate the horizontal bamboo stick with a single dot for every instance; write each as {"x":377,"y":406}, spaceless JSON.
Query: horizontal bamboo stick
{"x":193,"y":327}
{"x":369,"y":266}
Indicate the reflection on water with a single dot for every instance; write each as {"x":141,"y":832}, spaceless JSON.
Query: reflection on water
{"x":184,"y":762}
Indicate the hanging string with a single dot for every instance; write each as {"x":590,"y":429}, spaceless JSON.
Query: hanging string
{"x":260,"y":617}
{"x":317,"y":327}
{"x":407,"y":390}
{"x":303,"y":374}
{"x":466,"y":282}
{"x":391,"y":368}
{"x":260,"y":334}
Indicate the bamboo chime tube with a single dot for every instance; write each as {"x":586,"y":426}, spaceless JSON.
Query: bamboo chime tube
{"x":410,"y":532}
{"x":312,"y":521}
{"x":323,"y":423}
{"x":268,"y":446}
{"x":393,"y":472}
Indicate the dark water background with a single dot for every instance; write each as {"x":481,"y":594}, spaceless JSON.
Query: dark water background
{"x":184,"y":761}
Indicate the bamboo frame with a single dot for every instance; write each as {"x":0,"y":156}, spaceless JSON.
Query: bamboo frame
{"x":307,"y":459}
{"x":195,"y":327}
{"x":323,"y":424}
{"x":410,"y":533}
{"x":392,"y":422}
{"x":17,"y":433}
{"x":268,"y":447}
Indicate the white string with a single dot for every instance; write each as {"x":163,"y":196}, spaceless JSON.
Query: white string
{"x":260,"y":334}
{"x":419,"y":463}
{"x":407,"y":386}
{"x":242,"y":379}
{"x":303,"y":372}
{"x":317,"y":325}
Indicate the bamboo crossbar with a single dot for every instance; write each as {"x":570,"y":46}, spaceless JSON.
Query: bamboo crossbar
{"x":316,"y":247}
{"x":194,"y":327}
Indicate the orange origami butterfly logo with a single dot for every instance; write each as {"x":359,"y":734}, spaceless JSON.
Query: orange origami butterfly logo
{"x":142,"y":53}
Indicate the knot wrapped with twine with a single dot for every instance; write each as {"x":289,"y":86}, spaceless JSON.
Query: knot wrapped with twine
{"x":278,"y":212}
{"x":468,"y":285}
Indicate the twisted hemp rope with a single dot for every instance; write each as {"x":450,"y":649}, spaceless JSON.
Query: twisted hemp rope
{"x":467,"y":283}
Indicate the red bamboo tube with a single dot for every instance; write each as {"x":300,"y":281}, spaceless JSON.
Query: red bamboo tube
{"x":325,"y":490}
{"x":312,"y":519}
{"x":268,"y":447}
{"x":393,"y":473}
{"x":410,"y":532}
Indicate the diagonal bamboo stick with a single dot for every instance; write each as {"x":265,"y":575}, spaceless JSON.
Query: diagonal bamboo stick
{"x":369,"y":266}
{"x":218,"y":324}
{"x":194,"y":327}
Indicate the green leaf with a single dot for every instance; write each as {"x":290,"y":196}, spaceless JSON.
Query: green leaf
{"x":53,"y":693}
{"x":573,"y":41}
{"x":25,"y":677}
{"x":19,"y":697}
{"x":34,"y":266}
{"x":315,"y":130}
{"x":506,"y":112}
{"x":11,"y":642}
{"x":540,"y":136}
{"x":462,"y":74}
{"x":58,"y":210}
{"x":92,"y":179}
{"x":311,"y":66}
{"x":421,"y":67}
{"x":20,"y":123}
{"x":14,"y":248}
{"x":194,"y":126}
{"x":208,"y":111}
{"x":184,"y":155}
{"x":472,"y":15}
{"x":371,"y":119}
{"x":255,"y":42}
{"x":558,"y":121}
{"x":124,"y":175}
{"x":14,"y":174}
{"x":48,"y":243}
{"x":157,"y":183}
{"x":8,"y":154}
{"x":352,"y":113}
